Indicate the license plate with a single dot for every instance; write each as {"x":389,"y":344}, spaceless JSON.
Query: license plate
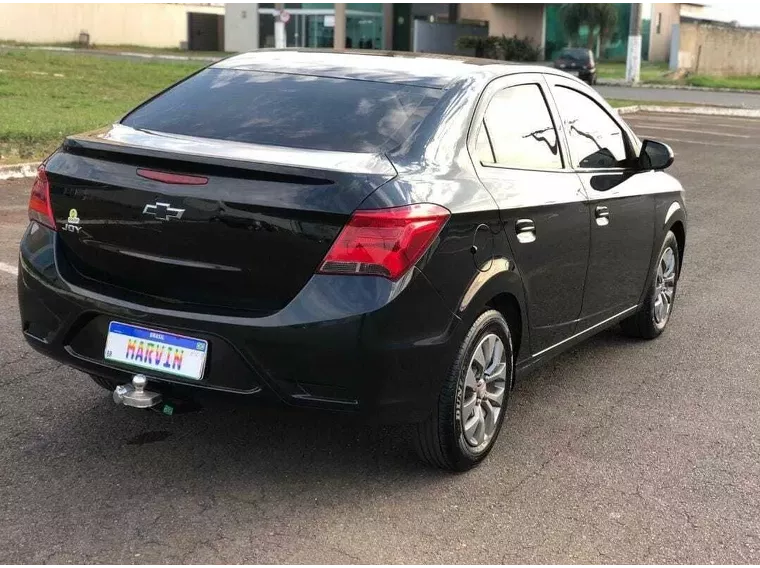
{"x":574,"y":72}
{"x":156,"y":350}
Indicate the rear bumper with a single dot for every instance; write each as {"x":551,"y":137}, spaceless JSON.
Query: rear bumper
{"x":359,"y":344}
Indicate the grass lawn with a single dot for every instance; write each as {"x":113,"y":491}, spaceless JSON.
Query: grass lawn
{"x":657,"y":73}
{"x":746,"y":82}
{"x":617,"y":103}
{"x":46,"y":96}
{"x":126,"y":47}
{"x":616,"y":70}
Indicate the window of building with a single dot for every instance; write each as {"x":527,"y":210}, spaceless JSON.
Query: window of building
{"x":521,"y":130}
{"x":658,"y":27}
{"x":596,"y":141}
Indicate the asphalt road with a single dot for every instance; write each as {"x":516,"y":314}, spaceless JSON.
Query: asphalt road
{"x":711,"y":98}
{"x":619,"y":451}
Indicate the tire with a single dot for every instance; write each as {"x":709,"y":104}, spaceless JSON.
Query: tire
{"x":446,"y":439}
{"x":107,"y":384}
{"x":650,"y":321}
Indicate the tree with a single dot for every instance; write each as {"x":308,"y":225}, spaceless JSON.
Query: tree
{"x":599,"y":18}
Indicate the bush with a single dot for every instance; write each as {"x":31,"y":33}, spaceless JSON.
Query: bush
{"x":516,"y":49}
{"x":504,"y":48}
{"x":483,"y":46}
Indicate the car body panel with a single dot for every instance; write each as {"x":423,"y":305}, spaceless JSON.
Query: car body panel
{"x":256,"y":233}
{"x":553,"y":266}
{"x":359,"y":343}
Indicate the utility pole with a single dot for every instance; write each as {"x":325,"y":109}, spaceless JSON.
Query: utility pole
{"x":633,"y":60}
{"x":280,"y":36}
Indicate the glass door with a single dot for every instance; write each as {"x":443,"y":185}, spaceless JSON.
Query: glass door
{"x":364,"y":31}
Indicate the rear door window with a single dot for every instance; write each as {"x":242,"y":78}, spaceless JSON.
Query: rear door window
{"x":521,"y":130}
{"x":288,"y":110}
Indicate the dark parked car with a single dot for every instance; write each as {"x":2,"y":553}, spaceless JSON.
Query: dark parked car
{"x":577,"y":61}
{"x":392,"y":235}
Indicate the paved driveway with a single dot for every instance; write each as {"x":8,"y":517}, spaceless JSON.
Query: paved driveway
{"x":619,"y":451}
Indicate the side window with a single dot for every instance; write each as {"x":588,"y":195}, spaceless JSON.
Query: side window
{"x":521,"y":131}
{"x":596,"y":141}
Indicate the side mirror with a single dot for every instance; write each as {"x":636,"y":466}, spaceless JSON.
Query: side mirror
{"x":655,"y":155}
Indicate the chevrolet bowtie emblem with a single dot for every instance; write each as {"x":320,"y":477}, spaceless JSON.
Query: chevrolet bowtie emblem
{"x":163,"y":211}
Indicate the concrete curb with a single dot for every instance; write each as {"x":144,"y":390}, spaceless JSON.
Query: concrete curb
{"x":16,"y":171}
{"x":705,"y":111}
{"x":85,"y":51}
{"x":621,"y":83}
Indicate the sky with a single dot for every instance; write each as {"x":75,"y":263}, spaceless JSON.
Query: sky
{"x":746,"y":13}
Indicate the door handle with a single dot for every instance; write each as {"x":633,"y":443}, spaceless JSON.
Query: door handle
{"x":602,"y":215}
{"x":526,"y":230}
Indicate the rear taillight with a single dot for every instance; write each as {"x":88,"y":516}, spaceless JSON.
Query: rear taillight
{"x":40,"y":208}
{"x":385,"y":242}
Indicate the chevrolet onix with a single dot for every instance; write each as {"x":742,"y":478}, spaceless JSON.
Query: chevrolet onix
{"x":392,"y":235}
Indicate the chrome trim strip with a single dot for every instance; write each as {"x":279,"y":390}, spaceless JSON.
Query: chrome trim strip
{"x":601,"y":323}
{"x":179,"y":262}
{"x":349,"y":162}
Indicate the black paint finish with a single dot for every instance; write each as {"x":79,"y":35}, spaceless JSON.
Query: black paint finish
{"x":237,"y":268}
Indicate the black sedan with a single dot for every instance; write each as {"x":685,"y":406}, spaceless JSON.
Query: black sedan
{"x":379,"y":233}
{"x":577,"y":61}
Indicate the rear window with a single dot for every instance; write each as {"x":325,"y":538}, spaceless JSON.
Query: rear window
{"x":576,"y":54}
{"x":288,"y":110}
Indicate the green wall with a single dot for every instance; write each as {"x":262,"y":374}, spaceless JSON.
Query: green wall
{"x":614,"y":48}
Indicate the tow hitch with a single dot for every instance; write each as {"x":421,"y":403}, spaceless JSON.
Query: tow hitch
{"x":135,"y":394}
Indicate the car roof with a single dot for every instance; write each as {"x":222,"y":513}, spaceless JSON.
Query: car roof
{"x":428,"y":70}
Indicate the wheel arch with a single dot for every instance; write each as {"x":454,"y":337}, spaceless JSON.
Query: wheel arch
{"x":675,"y":221}
{"x":680,"y":232}
{"x":499,"y":288}
{"x":506,"y":304}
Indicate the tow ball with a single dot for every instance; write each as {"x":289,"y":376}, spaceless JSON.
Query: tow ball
{"x":135,"y":395}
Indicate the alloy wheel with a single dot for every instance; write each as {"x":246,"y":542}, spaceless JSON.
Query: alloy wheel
{"x":484,"y":389}
{"x":665,"y":287}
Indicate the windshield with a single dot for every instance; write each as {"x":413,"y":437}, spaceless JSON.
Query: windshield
{"x":289,"y":110}
{"x":575,"y":54}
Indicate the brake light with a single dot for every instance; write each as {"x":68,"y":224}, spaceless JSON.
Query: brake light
{"x":167,"y":177}
{"x":40,"y":208}
{"x":385,"y":242}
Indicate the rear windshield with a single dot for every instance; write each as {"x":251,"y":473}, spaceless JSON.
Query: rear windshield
{"x":288,"y":110}
{"x":576,"y":54}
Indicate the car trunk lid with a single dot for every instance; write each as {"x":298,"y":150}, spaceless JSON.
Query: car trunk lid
{"x":207,"y":224}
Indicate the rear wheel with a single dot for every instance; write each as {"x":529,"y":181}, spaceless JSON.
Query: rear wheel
{"x":653,"y":315}
{"x":464,"y":425}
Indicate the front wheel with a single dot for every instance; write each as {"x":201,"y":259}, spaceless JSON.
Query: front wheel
{"x":464,"y":425}
{"x":653,"y":315}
